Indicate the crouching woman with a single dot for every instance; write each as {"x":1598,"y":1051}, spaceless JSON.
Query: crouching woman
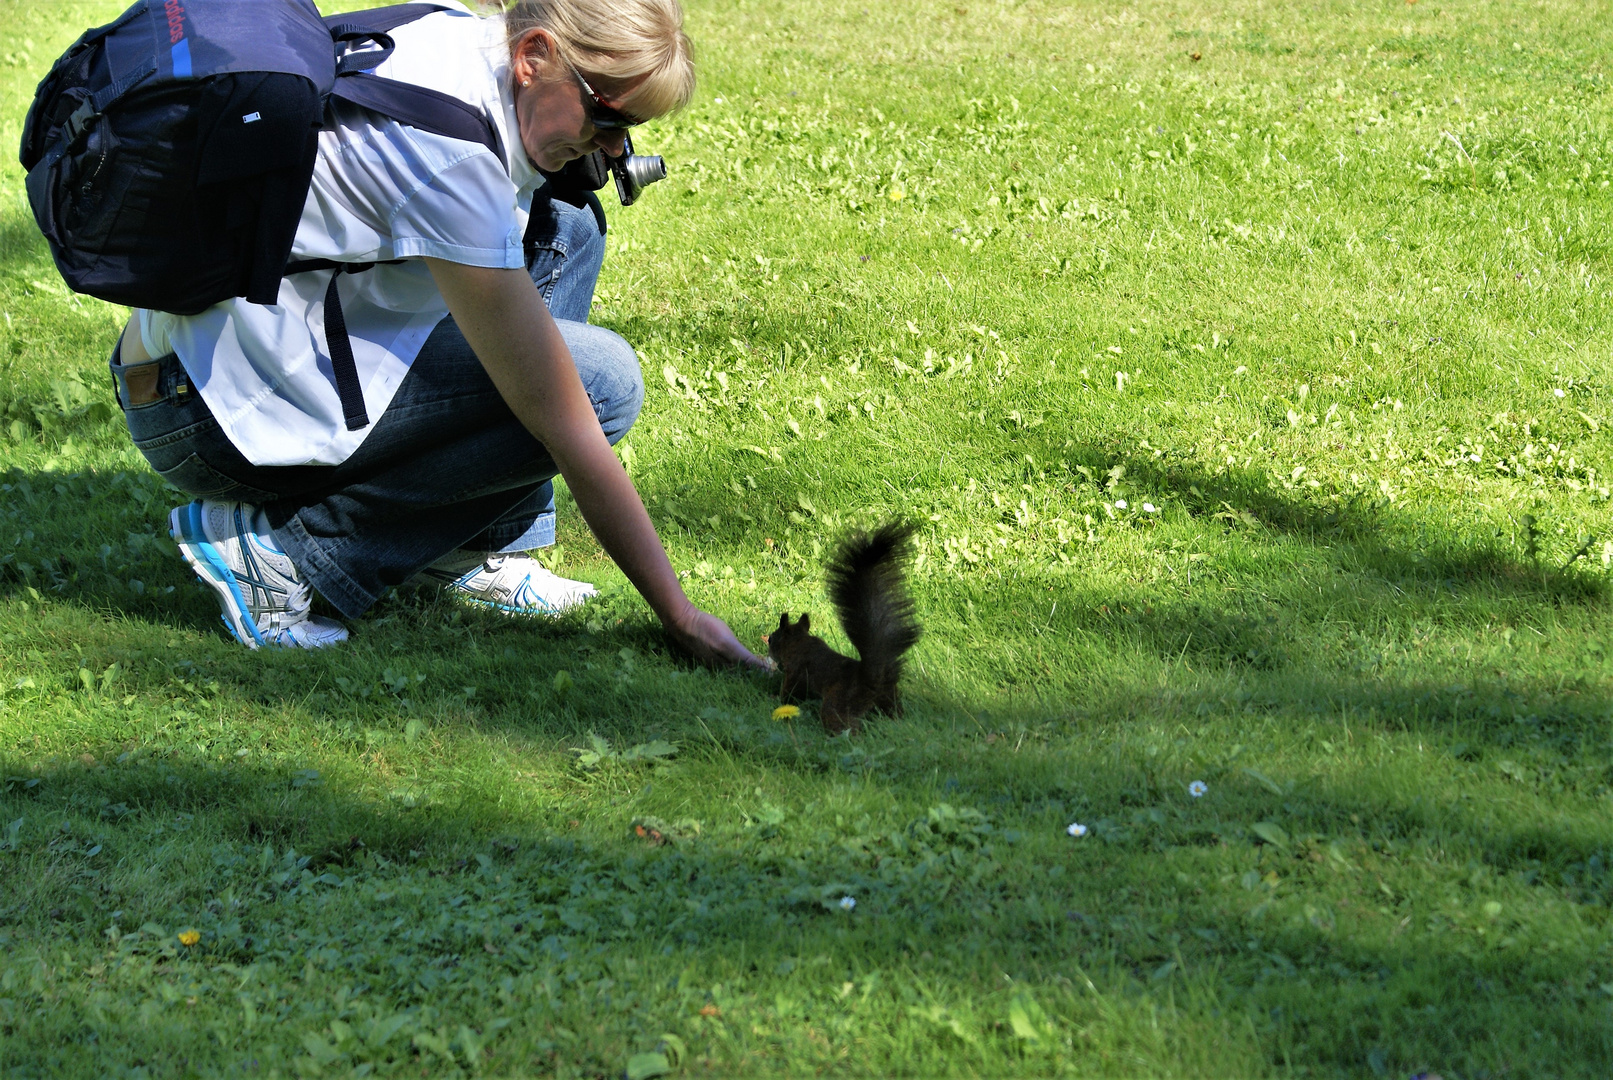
{"x":470,"y":337}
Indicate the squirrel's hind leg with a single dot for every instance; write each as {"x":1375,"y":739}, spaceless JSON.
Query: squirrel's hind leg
{"x":842,"y":711}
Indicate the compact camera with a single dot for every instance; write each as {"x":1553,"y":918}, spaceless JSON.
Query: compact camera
{"x":633,"y":173}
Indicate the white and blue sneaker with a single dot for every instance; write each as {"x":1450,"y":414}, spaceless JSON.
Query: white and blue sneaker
{"x":231,"y":548}
{"x":518,"y":584}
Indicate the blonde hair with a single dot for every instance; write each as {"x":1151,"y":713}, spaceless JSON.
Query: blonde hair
{"x":617,"y":41}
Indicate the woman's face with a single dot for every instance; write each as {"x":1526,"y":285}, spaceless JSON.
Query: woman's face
{"x":552,"y":109}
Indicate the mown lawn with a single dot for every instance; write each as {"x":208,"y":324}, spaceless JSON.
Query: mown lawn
{"x":1246,"y":366}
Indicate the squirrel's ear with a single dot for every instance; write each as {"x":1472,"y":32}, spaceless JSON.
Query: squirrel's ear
{"x":784,"y":620}
{"x":805,"y":623}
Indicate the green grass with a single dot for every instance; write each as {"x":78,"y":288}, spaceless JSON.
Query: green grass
{"x":1327,"y":285}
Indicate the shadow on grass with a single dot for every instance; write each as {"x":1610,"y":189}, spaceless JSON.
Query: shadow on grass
{"x":437,"y":904}
{"x":1368,"y":536}
{"x":1380,"y":538}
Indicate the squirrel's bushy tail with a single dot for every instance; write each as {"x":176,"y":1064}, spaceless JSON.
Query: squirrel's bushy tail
{"x":866,"y":580}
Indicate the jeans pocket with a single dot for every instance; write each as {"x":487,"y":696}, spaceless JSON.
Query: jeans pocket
{"x":544,"y":263}
{"x":200,"y":480}
{"x":175,"y":414}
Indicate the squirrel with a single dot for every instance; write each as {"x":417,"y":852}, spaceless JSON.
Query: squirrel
{"x":866,"y":583}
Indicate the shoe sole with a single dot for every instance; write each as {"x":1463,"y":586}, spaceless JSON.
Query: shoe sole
{"x":506,"y":609}
{"x":185,"y":526}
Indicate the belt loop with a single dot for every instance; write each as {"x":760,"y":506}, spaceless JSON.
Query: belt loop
{"x":178,"y":384}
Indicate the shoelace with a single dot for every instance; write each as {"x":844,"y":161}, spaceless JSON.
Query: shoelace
{"x":299,"y":599}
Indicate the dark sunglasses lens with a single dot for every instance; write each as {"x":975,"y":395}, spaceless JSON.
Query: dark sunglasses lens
{"x":606,"y":118}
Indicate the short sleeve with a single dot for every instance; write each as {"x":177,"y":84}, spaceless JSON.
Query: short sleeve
{"x":465,"y":213}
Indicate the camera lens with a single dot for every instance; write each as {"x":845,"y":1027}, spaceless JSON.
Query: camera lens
{"x":646,"y":170}
{"x":633,"y":173}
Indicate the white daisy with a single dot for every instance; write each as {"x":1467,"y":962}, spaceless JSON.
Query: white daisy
{"x":847,"y":903}
{"x":1197,"y":788}
{"x":1076,"y":829}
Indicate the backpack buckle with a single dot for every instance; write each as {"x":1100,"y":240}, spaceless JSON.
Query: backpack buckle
{"x":80,"y":121}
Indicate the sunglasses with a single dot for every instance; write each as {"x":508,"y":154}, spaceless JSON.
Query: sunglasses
{"x":603,"y":115}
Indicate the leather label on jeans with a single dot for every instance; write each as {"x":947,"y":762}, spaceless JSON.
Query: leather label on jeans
{"x":139,"y":383}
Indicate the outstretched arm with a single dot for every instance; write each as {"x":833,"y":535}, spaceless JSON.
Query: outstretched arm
{"x":505,"y":321}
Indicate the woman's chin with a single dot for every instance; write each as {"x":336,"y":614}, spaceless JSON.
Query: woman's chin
{"x":555,"y":160}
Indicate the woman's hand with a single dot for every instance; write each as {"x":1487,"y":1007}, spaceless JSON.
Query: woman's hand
{"x":708,"y":639}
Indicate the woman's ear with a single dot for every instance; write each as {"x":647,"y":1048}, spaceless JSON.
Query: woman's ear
{"x":532,"y":55}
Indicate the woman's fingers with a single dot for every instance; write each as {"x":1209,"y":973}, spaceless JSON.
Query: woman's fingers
{"x":709,"y":640}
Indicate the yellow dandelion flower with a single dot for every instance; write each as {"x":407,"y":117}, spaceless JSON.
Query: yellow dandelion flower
{"x":786,"y":712}
{"x":189,"y":937}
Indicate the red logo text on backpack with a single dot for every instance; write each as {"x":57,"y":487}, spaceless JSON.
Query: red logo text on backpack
{"x":176,"y":21}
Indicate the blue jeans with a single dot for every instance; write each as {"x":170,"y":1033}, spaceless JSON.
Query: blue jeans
{"x":446,"y":466}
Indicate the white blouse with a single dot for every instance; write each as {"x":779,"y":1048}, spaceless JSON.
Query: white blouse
{"x":380,"y":190}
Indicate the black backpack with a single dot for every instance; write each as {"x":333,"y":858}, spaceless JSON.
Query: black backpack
{"x":169,"y":152}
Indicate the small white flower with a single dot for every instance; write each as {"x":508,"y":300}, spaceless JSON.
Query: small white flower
{"x":1120,"y":504}
{"x":1197,"y":789}
{"x":847,"y":903}
{"x":1150,"y":508}
{"x":1559,"y":392}
{"x":1076,"y":829}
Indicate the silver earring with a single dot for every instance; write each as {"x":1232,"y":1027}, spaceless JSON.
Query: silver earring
{"x":526,"y":82}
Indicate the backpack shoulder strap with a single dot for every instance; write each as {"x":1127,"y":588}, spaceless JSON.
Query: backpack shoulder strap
{"x":418,"y":106}
{"x":382,"y":19}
